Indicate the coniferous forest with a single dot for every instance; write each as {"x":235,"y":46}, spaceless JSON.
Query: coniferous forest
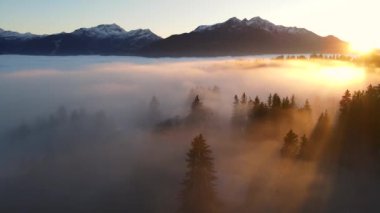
{"x":297,"y":135}
{"x":314,"y":164}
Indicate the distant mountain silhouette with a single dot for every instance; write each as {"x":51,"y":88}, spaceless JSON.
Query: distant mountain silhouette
{"x":244,"y":37}
{"x":102,"y":39}
{"x":233,"y":37}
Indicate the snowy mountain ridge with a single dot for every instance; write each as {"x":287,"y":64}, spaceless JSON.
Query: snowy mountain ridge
{"x":115,"y":31}
{"x":255,"y":23}
{"x":229,"y":38}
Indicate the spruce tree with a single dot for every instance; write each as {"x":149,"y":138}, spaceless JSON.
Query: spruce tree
{"x":243,"y":98}
{"x":197,"y":104}
{"x":198,"y":194}
{"x":236,"y":100}
{"x":199,"y":115}
{"x":319,"y":135}
{"x":276,"y":101}
{"x":303,"y":153}
{"x":291,"y":145}
{"x":257,"y":101}
{"x":344,"y":103}
{"x":307,"y":106}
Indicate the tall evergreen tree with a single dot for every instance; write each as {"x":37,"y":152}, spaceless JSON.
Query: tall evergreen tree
{"x":306,"y":106}
{"x":303,"y":154}
{"x":318,"y":137}
{"x":199,"y":115}
{"x":198,"y":194}
{"x":257,"y":101}
{"x":197,"y":104}
{"x":243,"y":98}
{"x":291,"y":145}
{"x":276,"y":101}
{"x":236,"y":100}
{"x":344,"y":102}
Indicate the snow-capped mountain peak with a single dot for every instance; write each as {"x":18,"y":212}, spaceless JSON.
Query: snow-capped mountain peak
{"x":114,"y":31}
{"x":260,"y":23}
{"x":101,"y":31}
{"x":231,"y":21}
{"x":256,"y":23}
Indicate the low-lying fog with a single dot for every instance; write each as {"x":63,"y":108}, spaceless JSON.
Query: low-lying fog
{"x":33,"y":86}
{"x":78,"y":134}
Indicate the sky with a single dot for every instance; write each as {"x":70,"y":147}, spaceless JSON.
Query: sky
{"x":351,"y":20}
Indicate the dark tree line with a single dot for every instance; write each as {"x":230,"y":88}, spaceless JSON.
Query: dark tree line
{"x":356,"y":139}
{"x":353,"y":141}
{"x":249,"y":115}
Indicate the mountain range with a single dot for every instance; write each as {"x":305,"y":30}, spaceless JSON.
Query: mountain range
{"x":233,"y":37}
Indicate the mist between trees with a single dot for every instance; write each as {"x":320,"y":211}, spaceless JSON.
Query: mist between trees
{"x":269,"y":155}
{"x":167,"y":141}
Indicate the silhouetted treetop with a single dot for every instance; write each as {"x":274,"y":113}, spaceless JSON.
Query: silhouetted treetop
{"x":196,"y":103}
{"x":198,"y":194}
{"x":291,"y":147}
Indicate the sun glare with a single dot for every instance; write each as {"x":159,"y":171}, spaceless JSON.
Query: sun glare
{"x":361,"y":48}
{"x":341,"y":74}
{"x":336,"y":76}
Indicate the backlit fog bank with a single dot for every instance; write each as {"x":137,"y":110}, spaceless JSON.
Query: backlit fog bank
{"x":82,"y":134}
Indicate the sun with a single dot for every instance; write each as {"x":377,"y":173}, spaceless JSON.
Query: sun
{"x":361,"y":48}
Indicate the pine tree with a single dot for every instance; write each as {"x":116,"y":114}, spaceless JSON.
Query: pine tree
{"x":236,"y":100}
{"x":307,"y":106}
{"x":318,"y":136}
{"x":198,"y":195}
{"x":256,"y":102}
{"x":196,"y":103}
{"x":345,"y":101}
{"x":199,"y":115}
{"x":243,"y":98}
{"x":291,"y":145}
{"x":276,"y":101}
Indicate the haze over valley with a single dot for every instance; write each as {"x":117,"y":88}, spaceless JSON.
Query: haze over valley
{"x":111,"y":133}
{"x":202,"y":106}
